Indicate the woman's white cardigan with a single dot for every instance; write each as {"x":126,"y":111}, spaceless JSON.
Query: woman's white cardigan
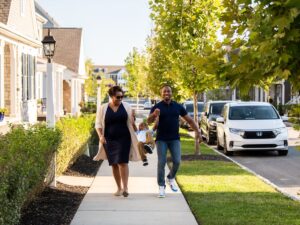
{"x":134,"y":154}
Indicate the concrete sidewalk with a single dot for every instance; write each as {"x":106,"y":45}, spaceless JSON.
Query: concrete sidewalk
{"x":99,"y":206}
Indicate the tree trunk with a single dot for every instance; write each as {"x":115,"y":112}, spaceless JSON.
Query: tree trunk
{"x":197,"y":146}
{"x":137,"y":101}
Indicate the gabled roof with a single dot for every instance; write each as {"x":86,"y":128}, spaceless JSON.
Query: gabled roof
{"x":110,"y":69}
{"x":50,"y":20}
{"x":68,"y":45}
{"x":4,"y":10}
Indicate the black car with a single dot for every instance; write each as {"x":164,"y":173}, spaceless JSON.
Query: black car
{"x":189,"y":107}
{"x":208,"y":124}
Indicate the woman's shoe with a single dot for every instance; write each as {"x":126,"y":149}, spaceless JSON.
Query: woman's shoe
{"x":118,"y":193}
{"x":125,"y":193}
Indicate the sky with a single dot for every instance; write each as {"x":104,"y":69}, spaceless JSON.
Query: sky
{"x":111,"y":28}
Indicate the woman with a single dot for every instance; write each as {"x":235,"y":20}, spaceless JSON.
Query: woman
{"x":118,"y":141}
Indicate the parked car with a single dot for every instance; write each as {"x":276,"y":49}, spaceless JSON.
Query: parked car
{"x":189,"y":107}
{"x":251,"y":126}
{"x":147,"y":105}
{"x":208,"y":124}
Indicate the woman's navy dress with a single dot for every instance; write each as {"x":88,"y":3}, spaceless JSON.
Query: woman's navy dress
{"x":117,"y":136}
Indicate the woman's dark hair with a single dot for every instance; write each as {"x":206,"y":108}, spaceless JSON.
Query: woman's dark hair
{"x":114,"y":89}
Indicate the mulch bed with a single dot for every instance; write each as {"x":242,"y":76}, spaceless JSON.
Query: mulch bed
{"x":57,"y":206}
{"x":84,"y":166}
{"x":202,"y":157}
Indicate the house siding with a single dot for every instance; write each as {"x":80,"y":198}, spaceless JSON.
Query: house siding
{"x":26,"y":24}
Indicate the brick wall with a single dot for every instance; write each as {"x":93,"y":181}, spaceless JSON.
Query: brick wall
{"x":67,"y":97}
{"x":4,"y":10}
{"x":7,"y":72}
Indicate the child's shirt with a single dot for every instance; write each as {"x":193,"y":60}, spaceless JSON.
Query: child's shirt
{"x":142,"y":135}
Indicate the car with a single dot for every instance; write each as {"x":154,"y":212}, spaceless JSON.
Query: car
{"x":247,"y":126}
{"x":189,"y":107}
{"x":208,"y":124}
{"x":147,"y":105}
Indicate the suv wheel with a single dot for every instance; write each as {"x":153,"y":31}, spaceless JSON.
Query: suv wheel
{"x":209,"y":139}
{"x":225,"y":148}
{"x":219,"y":147}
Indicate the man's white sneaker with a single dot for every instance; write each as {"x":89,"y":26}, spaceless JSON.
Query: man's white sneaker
{"x":172,"y":184}
{"x":162,"y":192}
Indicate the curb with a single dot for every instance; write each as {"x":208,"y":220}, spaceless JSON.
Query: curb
{"x":257,"y":175}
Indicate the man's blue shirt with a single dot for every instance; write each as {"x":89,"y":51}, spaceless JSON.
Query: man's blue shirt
{"x":168,"y":126}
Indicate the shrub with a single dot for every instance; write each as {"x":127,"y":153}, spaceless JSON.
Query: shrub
{"x":89,"y":107}
{"x":25,"y":155}
{"x":295,"y":116}
{"x":75,"y":136}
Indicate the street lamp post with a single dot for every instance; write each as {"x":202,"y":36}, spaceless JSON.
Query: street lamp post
{"x":49,"y":49}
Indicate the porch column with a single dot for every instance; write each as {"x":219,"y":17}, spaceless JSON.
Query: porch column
{"x":13,"y":80}
{"x":74,"y":96}
{"x":283,"y":93}
{"x":261,"y":99}
{"x":256,"y":93}
{"x":233,"y":96}
{"x":2,"y":73}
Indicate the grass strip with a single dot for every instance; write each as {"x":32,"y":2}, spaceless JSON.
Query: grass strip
{"x":221,"y":192}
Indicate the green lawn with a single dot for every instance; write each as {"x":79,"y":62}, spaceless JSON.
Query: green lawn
{"x":222,"y":193}
{"x":187,"y":145}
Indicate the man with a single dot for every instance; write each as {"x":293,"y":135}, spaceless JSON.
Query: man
{"x":168,"y":112}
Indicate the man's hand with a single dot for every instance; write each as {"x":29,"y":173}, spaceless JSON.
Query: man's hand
{"x":156,"y":112}
{"x":153,"y":116}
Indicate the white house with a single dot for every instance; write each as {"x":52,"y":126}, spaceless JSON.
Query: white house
{"x":114,"y":72}
{"x":69,"y":66}
{"x":20,"y":46}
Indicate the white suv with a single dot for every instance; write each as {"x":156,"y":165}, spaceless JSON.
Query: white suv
{"x":251,"y":126}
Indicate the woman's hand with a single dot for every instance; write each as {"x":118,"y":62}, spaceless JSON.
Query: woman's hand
{"x":102,"y":139}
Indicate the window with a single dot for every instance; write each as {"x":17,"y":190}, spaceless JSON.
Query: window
{"x":28,"y":77}
{"x":22,"y":7}
{"x":252,"y":113}
{"x":216,"y":108}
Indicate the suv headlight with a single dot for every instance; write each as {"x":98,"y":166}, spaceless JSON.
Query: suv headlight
{"x":237,"y":131}
{"x":279,"y":130}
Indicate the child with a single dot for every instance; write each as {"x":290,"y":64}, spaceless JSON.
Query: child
{"x":145,"y":141}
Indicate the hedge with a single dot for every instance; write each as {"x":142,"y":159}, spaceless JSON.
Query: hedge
{"x":75,"y":136}
{"x":25,"y":155}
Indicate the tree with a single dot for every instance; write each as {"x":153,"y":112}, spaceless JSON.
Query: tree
{"x":136,"y":66}
{"x":90,"y":84}
{"x":295,"y":117}
{"x":267,"y":37}
{"x":186,"y":38}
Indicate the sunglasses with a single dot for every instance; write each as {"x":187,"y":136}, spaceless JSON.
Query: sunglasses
{"x":119,"y":96}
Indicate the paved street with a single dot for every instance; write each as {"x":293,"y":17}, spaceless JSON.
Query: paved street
{"x":283,"y":171}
